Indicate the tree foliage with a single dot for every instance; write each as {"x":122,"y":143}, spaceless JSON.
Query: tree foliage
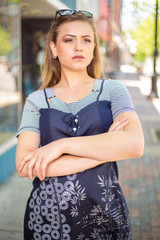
{"x":144,"y":31}
{"x":5,"y":44}
{"x":145,"y":38}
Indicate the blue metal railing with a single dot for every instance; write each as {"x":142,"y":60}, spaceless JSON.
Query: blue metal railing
{"x":7,"y":164}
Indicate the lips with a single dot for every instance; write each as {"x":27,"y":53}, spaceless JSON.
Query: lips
{"x":78,"y":57}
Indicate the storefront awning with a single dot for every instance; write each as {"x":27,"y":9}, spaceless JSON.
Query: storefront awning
{"x":40,"y":8}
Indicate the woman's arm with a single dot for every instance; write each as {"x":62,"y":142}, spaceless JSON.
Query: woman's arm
{"x":68,"y":164}
{"x":28,"y":143}
{"x":29,"y":153}
{"x":110,"y":146}
{"x":64,"y":165}
{"x":29,"y":158}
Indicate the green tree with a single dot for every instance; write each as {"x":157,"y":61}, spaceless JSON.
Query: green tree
{"x":144,"y":36}
{"x":143,"y":31}
{"x":5,"y":45}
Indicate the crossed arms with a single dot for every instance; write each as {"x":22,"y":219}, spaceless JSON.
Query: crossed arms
{"x":71,"y":155}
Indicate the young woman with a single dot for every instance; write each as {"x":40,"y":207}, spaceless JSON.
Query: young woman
{"x":73,"y":130}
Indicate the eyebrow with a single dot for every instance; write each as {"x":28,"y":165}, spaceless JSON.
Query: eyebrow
{"x":71,"y":35}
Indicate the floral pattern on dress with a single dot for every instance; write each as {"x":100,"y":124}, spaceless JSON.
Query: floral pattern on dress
{"x":49,"y":201}
{"x":54,"y":200}
{"x":113,"y":221}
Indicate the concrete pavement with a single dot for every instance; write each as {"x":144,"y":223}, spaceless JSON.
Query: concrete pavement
{"x":13,"y":196}
{"x":140,"y":179}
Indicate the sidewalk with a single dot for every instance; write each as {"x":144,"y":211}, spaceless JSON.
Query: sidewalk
{"x":140,"y":180}
{"x":13,"y":196}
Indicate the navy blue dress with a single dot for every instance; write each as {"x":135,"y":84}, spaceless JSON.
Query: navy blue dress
{"x":86,"y":205}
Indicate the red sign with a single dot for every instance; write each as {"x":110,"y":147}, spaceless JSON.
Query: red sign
{"x":103,"y":25}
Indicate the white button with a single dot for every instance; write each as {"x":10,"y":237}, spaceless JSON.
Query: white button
{"x":76,"y":120}
{"x":74,"y":129}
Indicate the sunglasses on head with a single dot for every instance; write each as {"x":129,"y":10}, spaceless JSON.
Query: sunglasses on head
{"x":66,"y":12}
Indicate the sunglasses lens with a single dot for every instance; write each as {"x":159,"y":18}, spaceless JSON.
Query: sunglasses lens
{"x":66,"y":12}
{"x":88,"y":14}
{"x":63,"y":12}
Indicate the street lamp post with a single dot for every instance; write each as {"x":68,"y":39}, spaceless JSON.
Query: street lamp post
{"x":154,"y":92}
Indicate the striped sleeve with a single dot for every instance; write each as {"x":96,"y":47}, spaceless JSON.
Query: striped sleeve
{"x":120,"y":98}
{"x":30,"y":117}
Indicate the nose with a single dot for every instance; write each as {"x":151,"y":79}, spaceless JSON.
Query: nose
{"x":78,"y":46}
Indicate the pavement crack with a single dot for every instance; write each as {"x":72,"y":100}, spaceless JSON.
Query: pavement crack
{"x":11,"y":231}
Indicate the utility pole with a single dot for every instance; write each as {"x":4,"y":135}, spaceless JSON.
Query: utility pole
{"x":154,"y":92}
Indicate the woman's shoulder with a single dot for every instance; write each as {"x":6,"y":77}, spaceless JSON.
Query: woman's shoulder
{"x":108,"y":81}
{"x":111,"y":87}
{"x":36,"y":93}
{"x":39,"y":93}
{"x":112,"y":84}
{"x":38,"y":97}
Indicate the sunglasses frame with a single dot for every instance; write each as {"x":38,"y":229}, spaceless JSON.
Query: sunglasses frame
{"x":88,"y":14}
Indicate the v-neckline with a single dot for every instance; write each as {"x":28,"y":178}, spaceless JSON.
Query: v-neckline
{"x":82,"y":99}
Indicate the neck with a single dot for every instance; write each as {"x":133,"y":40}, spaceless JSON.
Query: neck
{"x":72,"y":79}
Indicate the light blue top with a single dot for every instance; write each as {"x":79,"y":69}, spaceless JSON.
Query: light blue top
{"x":113,"y":91}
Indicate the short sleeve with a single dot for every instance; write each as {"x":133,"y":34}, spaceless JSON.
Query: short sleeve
{"x":120,"y":98}
{"x":30,"y":117}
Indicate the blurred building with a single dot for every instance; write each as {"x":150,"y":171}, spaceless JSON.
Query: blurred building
{"x":107,"y":15}
{"x":109,"y":30}
{"x":23,"y":28}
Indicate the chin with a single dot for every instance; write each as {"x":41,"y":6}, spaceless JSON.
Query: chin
{"x":76,"y":68}
{"x":80,"y":65}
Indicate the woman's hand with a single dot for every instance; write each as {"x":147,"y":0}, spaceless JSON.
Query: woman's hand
{"x":38,"y":160}
{"x":119,"y":124}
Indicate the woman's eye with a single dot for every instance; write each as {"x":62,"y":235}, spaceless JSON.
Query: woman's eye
{"x":68,"y":40}
{"x":87,"y":40}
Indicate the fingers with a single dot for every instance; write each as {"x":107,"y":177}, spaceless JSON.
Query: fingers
{"x":43,"y":169}
{"x":33,"y":162}
{"x":38,"y":168}
{"x":31,"y":165}
{"x":119,"y":124}
{"x":37,"y":165}
{"x":24,"y":161}
{"x":38,"y":160}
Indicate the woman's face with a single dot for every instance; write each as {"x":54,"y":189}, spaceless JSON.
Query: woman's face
{"x":75,"y":45}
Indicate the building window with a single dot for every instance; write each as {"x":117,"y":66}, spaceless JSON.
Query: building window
{"x":10,"y":82}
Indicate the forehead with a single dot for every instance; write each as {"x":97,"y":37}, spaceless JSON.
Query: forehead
{"x":75,"y":28}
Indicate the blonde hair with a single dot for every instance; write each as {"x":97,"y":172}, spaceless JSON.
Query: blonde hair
{"x":51,"y":72}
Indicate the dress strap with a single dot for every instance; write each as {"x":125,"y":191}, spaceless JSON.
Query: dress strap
{"x":98,"y":105}
{"x":49,"y":93}
{"x":46,"y":98}
{"x":100,"y":89}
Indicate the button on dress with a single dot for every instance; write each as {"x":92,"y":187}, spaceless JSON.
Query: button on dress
{"x":89,"y":204}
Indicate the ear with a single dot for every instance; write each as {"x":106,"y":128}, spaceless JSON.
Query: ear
{"x":53,"y":49}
